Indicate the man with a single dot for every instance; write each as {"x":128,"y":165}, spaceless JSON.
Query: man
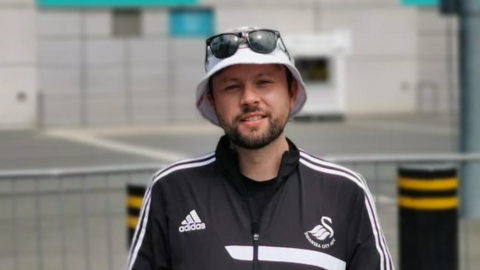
{"x":257,"y":202}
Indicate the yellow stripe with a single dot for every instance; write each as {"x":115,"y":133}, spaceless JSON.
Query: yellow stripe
{"x":134,"y":202}
{"x":433,"y":185}
{"x":428,"y":203}
{"x":132,"y":222}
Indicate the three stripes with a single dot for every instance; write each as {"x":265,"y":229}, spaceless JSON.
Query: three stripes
{"x":191,"y":218}
{"x":305,"y":159}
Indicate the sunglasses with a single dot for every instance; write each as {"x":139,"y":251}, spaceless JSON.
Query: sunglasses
{"x":262,"y":41}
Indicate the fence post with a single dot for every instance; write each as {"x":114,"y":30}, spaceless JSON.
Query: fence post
{"x":41,"y":116}
{"x":428,"y":217}
{"x":135,"y":194}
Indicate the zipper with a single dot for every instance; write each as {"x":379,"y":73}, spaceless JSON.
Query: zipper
{"x":256,"y":237}
{"x":256,"y":232}
{"x":255,"y":227}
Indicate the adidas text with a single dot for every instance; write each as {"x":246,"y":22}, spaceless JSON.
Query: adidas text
{"x":192,"y":227}
{"x":192,"y":222}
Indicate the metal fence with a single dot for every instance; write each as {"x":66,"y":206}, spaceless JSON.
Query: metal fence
{"x":66,"y":219}
{"x":75,"y":219}
{"x":381,"y":173}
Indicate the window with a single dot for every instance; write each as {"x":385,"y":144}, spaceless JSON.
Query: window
{"x":314,"y":70}
{"x":191,"y":22}
{"x":127,"y":23}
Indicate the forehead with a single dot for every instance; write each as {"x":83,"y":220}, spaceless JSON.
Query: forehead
{"x":248,"y":70}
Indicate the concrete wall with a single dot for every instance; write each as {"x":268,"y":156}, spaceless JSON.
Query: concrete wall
{"x":89,"y":77}
{"x":437,"y":86}
{"x":94,"y":78}
{"x":18,"y":64}
{"x":381,"y":70}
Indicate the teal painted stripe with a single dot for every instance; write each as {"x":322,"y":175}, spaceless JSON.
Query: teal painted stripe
{"x":113,"y":3}
{"x":421,"y":2}
{"x":191,"y":23}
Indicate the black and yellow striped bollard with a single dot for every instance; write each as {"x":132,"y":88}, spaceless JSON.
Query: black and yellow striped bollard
{"x":135,"y":193}
{"x":428,"y":217}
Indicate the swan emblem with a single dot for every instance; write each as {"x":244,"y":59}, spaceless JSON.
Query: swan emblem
{"x":322,"y":231}
{"x":321,"y":235}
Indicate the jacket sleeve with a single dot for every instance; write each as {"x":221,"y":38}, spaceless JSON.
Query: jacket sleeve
{"x":149,"y":248}
{"x":370,"y":249}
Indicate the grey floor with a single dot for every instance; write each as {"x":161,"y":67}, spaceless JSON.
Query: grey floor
{"x":57,"y":148}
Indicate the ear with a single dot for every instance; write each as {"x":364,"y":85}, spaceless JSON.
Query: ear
{"x":293,"y":94}
{"x":209,"y":96}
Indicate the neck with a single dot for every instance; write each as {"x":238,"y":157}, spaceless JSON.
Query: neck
{"x":262,"y":164}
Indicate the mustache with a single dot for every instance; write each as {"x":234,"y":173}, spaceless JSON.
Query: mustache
{"x":250,"y":109}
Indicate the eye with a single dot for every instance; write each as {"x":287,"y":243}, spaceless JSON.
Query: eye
{"x":231,"y":87}
{"x":264,"y":82}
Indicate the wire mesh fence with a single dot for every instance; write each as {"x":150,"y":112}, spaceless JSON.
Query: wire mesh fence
{"x":68,"y":219}
{"x":77,"y":219}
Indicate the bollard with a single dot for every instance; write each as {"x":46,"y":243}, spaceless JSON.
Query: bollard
{"x":428,"y":214}
{"x":135,"y":193}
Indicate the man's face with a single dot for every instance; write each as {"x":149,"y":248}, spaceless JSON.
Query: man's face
{"x":252,"y":103}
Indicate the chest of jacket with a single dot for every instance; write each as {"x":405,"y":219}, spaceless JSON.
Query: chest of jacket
{"x":302,"y":227}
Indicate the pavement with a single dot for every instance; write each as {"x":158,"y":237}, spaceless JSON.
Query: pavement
{"x":62,"y":148}
{"x":72,"y":242}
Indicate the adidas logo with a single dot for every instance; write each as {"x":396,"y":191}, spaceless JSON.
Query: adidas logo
{"x":191,"y":223}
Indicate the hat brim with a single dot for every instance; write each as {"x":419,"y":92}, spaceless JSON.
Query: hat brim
{"x":247,"y":56}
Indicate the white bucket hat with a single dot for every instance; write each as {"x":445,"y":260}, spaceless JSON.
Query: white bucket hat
{"x":246,"y":56}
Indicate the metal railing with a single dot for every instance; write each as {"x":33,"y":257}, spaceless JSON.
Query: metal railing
{"x":381,"y":173}
{"x":67,"y":219}
{"x":75,"y":219}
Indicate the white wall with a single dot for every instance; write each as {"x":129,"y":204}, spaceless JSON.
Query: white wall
{"x":437,"y":62}
{"x":18,"y":61}
{"x":396,"y":52}
{"x":155,"y":77}
{"x":90,"y":77}
{"x":381,"y":71}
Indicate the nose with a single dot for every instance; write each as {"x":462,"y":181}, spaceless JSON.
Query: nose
{"x":250,"y":95}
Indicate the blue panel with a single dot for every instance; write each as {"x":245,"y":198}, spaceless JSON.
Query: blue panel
{"x":113,"y":3}
{"x":424,"y":3}
{"x":191,"y":23}
{"x":421,"y":2}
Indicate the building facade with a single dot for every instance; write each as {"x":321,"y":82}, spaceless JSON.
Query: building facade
{"x":109,"y":64}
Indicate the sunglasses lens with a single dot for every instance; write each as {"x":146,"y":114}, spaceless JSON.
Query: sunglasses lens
{"x":224,"y":46}
{"x":263,"y":41}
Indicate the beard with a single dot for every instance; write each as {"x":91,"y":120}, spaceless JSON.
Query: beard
{"x":254,"y":140}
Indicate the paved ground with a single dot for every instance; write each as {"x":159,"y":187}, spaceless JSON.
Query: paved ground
{"x":112,"y":146}
{"x":85,"y":243}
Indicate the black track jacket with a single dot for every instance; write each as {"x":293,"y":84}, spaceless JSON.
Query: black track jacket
{"x":195,"y":216}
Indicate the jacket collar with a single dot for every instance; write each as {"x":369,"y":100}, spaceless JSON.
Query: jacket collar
{"x":227,"y":160}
